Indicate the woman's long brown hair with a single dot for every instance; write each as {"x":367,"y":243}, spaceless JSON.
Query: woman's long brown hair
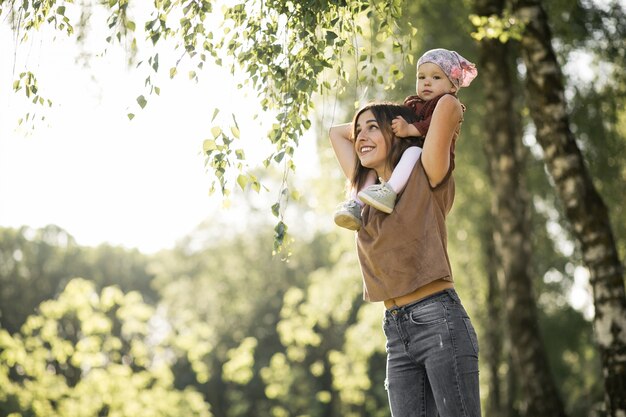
{"x":384,"y":113}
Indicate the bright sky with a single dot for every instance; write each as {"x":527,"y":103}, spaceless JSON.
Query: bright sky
{"x":91,"y":171}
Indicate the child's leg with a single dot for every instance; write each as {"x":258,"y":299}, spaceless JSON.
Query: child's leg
{"x":370,"y":179}
{"x":402,"y":171}
{"x":348,"y":214}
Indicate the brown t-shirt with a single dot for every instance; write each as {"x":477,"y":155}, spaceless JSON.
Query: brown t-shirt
{"x":404,"y":250}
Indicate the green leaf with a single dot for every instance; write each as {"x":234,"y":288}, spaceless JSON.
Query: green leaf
{"x":173,"y":72}
{"x":242,"y":180}
{"x":216,"y":131}
{"x":131,"y":116}
{"x":215,"y":113}
{"x":302,"y":84}
{"x":280,"y":229}
{"x":235,"y":131}
{"x":209,"y":145}
{"x":276,"y":209}
{"x":279,"y":156}
{"x":141,"y":100}
{"x":155,"y":63}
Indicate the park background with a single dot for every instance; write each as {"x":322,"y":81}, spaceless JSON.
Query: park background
{"x":167,"y":244}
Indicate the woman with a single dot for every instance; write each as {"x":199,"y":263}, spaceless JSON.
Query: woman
{"x":432,"y":349}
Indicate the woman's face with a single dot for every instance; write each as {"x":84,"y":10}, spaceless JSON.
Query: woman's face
{"x":432,"y":81}
{"x":370,"y":144}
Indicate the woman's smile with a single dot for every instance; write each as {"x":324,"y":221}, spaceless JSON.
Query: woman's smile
{"x":370,"y":144}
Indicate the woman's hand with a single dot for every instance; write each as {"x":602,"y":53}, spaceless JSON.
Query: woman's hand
{"x":402,"y":129}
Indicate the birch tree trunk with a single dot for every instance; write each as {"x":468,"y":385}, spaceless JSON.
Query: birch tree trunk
{"x":584,"y":208}
{"x":510,"y":209}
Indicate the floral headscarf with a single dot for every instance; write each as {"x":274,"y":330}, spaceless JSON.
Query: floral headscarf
{"x":459,"y":70}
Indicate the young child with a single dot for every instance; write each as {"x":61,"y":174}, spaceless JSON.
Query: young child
{"x":439,"y":72}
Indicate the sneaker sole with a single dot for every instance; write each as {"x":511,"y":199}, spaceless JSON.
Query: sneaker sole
{"x":347,"y":222}
{"x":376,"y":204}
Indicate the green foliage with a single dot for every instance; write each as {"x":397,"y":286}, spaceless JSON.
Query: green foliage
{"x":262,"y":337}
{"x":27,"y":16}
{"x":285,"y":50}
{"x":223,"y":301}
{"x":28,"y":82}
{"x":88,"y":353}
{"x":574,"y":361}
{"x":288,"y":52}
{"x":503,"y":27}
{"x":332,"y":346}
{"x":35,"y":264}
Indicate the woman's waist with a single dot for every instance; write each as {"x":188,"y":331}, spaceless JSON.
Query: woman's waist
{"x":420,"y":293}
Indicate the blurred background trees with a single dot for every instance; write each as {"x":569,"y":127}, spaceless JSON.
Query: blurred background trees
{"x":219,"y":326}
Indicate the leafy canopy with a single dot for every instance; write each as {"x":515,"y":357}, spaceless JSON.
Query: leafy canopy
{"x":286,"y":51}
{"x":90,"y":353}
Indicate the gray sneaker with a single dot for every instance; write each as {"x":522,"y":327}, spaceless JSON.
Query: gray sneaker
{"x":380,"y":196}
{"x":348,"y":215}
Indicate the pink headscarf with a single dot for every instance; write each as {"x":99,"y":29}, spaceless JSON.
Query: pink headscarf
{"x":459,"y":70}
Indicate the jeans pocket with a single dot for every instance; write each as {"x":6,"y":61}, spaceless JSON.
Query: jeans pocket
{"x":471,"y":333}
{"x":428,"y":315}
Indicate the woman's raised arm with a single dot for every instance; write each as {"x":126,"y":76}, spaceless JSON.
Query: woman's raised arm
{"x":343,"y":147}
{"x":443,"y":127}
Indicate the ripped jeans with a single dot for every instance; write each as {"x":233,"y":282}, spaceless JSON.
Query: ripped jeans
{"x":432,"y":359}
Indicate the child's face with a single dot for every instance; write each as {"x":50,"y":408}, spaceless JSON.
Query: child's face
{"x":432,"y":81}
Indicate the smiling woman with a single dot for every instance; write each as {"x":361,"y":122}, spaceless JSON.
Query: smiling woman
{"x":432,"y":348}
{"x":370,"y":144}
{"x":376,"y":146}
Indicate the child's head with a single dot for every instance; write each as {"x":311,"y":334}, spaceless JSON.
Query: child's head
{"x":436,"y":63}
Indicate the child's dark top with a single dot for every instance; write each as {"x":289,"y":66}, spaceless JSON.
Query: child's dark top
{"x":423,"y":110}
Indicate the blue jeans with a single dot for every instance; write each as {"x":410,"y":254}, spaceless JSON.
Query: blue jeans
{"x":432,"y":359}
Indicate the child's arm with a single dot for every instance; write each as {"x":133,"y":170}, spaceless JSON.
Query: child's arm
{"x":343,"y":147}
{"x":402,"y":129}
{"x":436,"y":153}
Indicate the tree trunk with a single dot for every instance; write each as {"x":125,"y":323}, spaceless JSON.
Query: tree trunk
{"x":494,"y":331}
{"x":505,"y":156}
{"x":584,"y":207}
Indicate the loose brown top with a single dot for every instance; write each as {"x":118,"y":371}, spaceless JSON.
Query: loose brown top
{"x":404,"y":250}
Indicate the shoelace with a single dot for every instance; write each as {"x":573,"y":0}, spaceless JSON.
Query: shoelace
{"x":383,"y":190}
